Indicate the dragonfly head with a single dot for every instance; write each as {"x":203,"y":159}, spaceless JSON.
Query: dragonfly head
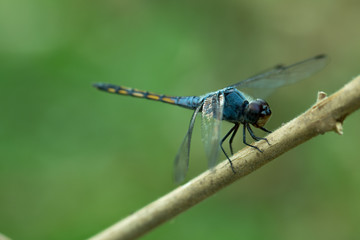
{"x":258,"y":112}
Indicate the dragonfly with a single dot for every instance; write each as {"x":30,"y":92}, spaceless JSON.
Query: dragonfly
{"x":229,"y":104}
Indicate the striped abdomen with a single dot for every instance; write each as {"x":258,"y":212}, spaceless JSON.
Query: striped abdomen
{"x":186,"y":102}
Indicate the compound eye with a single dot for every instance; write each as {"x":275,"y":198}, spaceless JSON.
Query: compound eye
{"x":254,"y":108}
{"x":264,"y":113}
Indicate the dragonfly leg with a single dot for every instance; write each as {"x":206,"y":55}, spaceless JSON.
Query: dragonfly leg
{"x":255,"y":137}
{"x":234,"y":128}
{"x":265,"y":130}
{"x":252,"y":135}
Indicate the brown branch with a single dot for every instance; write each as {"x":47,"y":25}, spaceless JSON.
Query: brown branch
{"x":326,"y":115}
{"x":3,"y":237}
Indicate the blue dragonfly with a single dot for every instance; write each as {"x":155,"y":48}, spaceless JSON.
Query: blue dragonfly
{"x":229,"y":104}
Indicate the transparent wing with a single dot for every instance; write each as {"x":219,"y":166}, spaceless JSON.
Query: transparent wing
{"x":212,"y":112}
{"x":284,"y":75}
{"x":181,"y":164}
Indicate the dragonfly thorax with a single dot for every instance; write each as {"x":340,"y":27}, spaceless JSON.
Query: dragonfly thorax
{"x":257,"y":112}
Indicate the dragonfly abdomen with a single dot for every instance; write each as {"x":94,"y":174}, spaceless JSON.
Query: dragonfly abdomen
{"x":187,"y":102}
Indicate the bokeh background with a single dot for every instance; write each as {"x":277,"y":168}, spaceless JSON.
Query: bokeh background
{"x":74,"y":160}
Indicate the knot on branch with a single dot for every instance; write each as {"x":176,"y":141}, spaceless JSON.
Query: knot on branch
{"x":321,"y":95}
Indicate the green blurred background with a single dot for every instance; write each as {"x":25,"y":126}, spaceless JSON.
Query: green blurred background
{"x":74,"y":160}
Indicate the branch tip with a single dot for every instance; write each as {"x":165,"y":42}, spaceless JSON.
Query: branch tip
{"x":3,"y":237}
